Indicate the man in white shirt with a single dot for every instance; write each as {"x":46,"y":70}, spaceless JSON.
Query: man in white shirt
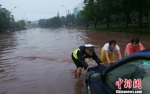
{"x":107,"y":52}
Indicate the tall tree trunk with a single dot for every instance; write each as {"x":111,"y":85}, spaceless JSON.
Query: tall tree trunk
{"x":107,"y":19}
{"x":140,"y":14}
{"x":127,"y":13}
{"x":95,"y":24}
{"x":147,"y":15}
{"x":127,"y":20}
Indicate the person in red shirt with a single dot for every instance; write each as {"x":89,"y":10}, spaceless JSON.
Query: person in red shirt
{"x":133,"y":47}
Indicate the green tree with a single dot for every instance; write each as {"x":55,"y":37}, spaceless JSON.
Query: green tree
{"x":63,"y":20}
{"x":70,"y":19}
{"x":20,"y":24}
{"x":4,"y":21}
{"x":43,"y":22}
{"x":105,"y":9}
{"x":80,"y":19}
{"x":55,"y":22}
{"x":142,"y":7}
{"x":92,"y":12}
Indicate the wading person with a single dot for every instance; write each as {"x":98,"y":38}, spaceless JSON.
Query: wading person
{"x":79,"y":56}
{"x":108,"y":52}
{"x":133,"y":47}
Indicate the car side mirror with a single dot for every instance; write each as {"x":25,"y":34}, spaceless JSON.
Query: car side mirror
{"x":95,"y":77}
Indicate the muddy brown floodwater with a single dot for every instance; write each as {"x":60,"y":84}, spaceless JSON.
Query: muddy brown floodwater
{"x":38,"y":61}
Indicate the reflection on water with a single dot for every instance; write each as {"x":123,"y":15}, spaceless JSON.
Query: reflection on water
{"x":38,"y":61}
{"x":78,"y":87}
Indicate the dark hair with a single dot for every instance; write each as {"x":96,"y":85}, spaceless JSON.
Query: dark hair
{"x":112,"y":41}
{"x":136,"y":40}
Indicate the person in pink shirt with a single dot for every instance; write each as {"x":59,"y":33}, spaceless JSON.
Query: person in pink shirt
{"x":133,"y":47}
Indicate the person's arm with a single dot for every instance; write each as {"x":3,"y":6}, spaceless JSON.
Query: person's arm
{"x":107,"y":58}
{"x":95,"y":57}
{"x":82,"y":60}
{"x":141,"y":47}
{"x":127,"y":51}
{"x":119,"y":54}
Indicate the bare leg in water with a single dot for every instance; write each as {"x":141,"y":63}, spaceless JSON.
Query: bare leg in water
{"x":78,"y":73}
{"x":75,"y":70}
{"x":75,"y":74}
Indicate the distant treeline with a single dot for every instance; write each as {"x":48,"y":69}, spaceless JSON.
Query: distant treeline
{"x":6,"y":25}
{"x":4,"y":21}
{"x":97,"y":12}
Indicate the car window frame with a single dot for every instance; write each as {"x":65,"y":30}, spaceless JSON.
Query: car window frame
{"x":120,"y":63}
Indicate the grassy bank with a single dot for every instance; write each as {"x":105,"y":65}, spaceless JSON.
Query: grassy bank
{"x":121,"y":27}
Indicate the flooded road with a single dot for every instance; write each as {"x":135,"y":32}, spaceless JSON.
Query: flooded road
{"x":38,"y":61}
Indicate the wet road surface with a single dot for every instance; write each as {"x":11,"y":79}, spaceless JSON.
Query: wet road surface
{"x":38,"y":61}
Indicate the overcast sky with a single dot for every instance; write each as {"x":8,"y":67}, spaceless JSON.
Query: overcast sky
{"x":38,"y":9}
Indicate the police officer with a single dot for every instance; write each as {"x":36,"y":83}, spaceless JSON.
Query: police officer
{"x":79,"y":55}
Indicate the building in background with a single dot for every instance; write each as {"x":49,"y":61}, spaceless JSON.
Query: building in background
{"x":78,"y":8}
{"x":35,"y":22}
